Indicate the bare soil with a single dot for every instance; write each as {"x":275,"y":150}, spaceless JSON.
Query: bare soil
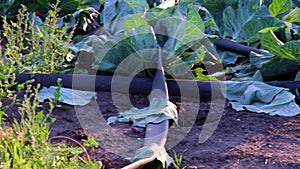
{"x":242,"y":139}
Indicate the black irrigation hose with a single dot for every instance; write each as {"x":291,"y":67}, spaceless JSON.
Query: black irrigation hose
{"x":103,"y":83}
{"x":232,"y":46}
{"x":138,"y":85}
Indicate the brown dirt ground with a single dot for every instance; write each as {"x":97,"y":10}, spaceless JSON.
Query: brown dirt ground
{"x":242,"y":139}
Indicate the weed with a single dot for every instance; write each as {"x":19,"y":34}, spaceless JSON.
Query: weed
{"x":75,"y":141}
{"x":35,"y":47}
{"x":90,"y":142}
{"x":177,"y":162}
{"x":31,"y":47}
{"x":26,"y":144}
{"x":57,"y":93}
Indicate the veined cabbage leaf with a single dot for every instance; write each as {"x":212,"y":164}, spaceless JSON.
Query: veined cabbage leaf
{"x":285,"y":61}
{"x":244,"y":23}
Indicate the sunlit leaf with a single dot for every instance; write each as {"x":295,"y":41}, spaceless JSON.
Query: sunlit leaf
{"x":293,"y":16}
{"x":278,"y":7}
{"x":134,"y":21}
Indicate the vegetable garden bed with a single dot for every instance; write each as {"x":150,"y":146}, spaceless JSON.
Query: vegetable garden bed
{"x":242,"y":139}
{"x":167,"y":59}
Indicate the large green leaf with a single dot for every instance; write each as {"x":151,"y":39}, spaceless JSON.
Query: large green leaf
{"x":185,"y":10}
{"x":118,"y":9}
{"x":243,"y":24}
{"x":68,"y":96}
{"x":278,"y":7}
{"x":180,"y":37}
{"x":267,"y":64}
{"x":229,"y":58}
{"x":139,"y":44}
{"x":175,"y":35}
{"x":286,"y":55}
{"x":158,"y":110}
{"x":293,"y":16}
{"x":216,"y":8}
{"x":289,"y":51}
{"x":261,"y":98}
{"x":134,"y":21}
{"x":177,"y":30}
{"x":272,"y":71}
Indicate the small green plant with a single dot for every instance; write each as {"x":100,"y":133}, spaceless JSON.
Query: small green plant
{"x":178,"y":160}
{"x":56,"y":99}
{"x":7,"y":80}
{"x":90,"y":142}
